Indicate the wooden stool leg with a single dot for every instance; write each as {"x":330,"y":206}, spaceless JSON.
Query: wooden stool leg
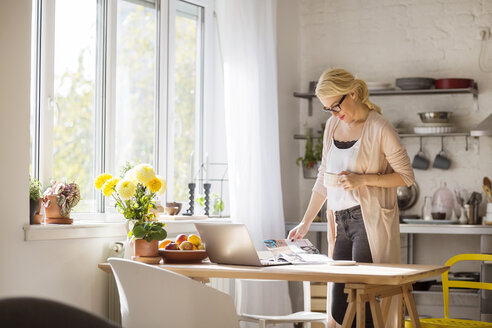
{"x":385,"y":306}
{"x":361,"y":311}
{"x":410,"y":304}
{"x":350,"y":313}
{"x":377,"y":315}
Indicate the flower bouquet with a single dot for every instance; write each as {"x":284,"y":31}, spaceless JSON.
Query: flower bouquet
{"x":59,"y":199}
{"x":134,"y":195}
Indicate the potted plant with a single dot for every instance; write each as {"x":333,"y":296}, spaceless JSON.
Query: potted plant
{"x":217,"y":203}
{"x":312,"y":156}
{"x":35,"y":201}
{"x":134,"y":193}
{"x":59,"y":200}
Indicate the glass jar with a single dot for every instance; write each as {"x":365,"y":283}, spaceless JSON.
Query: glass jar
{"x":443,"y":202}
{"x":427,"y":208}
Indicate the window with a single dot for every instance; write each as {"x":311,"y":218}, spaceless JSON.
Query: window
{"x":188,"y":54}
{"x":115,"y":81}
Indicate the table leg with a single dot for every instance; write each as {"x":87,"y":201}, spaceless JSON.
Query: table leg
{"x":350,"y":313}
{"x":377,"y":315}
{"x":385,"y":306}
{"x":361,"y":311}
{"x":410,"y":304}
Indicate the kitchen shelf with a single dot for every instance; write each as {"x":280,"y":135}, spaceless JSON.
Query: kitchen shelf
{"x":473,"y":91}
{"x":405,"y":135}
{"x":303,"y":137}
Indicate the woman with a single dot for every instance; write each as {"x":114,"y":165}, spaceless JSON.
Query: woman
{"x":364,"y":150}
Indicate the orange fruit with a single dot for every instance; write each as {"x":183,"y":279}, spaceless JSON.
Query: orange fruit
{"x":164,"y":243}
{"x":194,"y":239}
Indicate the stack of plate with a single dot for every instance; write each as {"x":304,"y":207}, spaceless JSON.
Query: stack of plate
{"x":434,"y":128}
{"x":373,"y":86}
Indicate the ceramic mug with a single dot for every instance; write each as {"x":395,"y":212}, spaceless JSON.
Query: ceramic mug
{"x":420,"y":162}
{"x":331,"y":179}
{"x":441,"y":161}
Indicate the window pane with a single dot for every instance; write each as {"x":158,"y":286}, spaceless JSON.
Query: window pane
{"x":74,"y":86}
{"x":135,"y":85}
{"x":187,"y":77}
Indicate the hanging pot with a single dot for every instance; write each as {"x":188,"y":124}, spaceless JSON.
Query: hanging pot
{"x":310,"y":172}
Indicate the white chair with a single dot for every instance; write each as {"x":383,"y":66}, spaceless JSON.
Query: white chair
{"x":305,"y":317}
{"x":154,"y":297}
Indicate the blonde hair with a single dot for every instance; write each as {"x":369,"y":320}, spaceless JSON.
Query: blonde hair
{"x":339,"y":82}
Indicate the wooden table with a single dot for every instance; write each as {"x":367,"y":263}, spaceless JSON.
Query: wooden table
{"x":373,"y":283}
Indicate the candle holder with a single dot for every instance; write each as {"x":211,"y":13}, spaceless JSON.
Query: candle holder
{"x":207,"y":186}
{"x":191,"y":209}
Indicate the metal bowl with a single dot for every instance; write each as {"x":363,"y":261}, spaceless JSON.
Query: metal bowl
{"x":407,"y":196}
{"x":435,"y":117}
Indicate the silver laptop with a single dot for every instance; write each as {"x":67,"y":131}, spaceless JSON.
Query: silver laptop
{"x":230,"y":243}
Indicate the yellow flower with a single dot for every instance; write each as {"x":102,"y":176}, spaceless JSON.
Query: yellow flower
{"x":126,"y":189}
{"x":101,"y":179}
{"x":154,"y":184}
{"x":108,"y":186}
{"x":163,"y":185}
{"x":144,"y":173}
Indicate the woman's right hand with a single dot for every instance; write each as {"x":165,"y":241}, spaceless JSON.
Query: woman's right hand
{"x":299,"y":231}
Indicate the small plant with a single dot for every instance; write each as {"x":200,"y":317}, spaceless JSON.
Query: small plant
{"x":149,"y":230}
{"x":67,"y":195}
{"x":312,"y":154}
{"x":218,"y":203}
{"x":34,"y":189}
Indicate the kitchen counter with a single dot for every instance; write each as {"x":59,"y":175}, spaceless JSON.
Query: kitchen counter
{"x":466,"y":229}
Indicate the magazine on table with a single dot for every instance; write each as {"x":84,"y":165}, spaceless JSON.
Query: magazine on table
{"x":300,"y":251}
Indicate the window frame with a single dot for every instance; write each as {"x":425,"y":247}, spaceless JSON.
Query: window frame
{"x":43,"y":88}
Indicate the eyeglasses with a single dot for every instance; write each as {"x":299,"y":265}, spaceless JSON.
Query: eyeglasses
{"x":336,"y":108}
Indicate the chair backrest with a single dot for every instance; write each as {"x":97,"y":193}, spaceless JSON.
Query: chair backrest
{"x":153,"y":297}
{"x":446,"y":283}
{"x":23,"y":312}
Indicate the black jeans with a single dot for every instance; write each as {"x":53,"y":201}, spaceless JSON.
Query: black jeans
{"x":351,"y":244}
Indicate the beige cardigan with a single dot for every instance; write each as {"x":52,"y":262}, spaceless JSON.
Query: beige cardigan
{"x":380,"y":152}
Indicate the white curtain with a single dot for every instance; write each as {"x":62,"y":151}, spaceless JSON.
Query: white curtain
{"x":247,"y":49}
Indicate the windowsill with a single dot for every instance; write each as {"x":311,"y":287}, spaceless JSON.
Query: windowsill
{"x":85,"y":225}
{"x":97,"y":225}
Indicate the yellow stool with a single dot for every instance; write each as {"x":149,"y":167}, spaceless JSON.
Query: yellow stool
{"x":446,"y":284}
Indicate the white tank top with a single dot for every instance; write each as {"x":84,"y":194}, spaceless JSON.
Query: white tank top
{"x":338,"y":160}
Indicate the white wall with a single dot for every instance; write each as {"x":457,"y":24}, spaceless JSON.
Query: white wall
{"x":64,"y":270}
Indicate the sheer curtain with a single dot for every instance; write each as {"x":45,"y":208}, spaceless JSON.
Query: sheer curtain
{"x":248,"y":70}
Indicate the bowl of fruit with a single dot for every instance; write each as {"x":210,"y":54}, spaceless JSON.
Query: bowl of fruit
{"x":182,"y":249}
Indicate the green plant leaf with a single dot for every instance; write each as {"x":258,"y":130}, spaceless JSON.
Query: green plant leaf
{"x":139,"y":231}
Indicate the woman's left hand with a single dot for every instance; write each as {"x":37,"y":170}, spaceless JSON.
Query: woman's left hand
{"x":350,"y":181}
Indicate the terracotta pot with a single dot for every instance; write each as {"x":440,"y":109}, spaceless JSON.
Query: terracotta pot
{"x":145,"y":248}
{"x":53,"y":211}
{"x":38,"y":218}
{"x":34,"y":208}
